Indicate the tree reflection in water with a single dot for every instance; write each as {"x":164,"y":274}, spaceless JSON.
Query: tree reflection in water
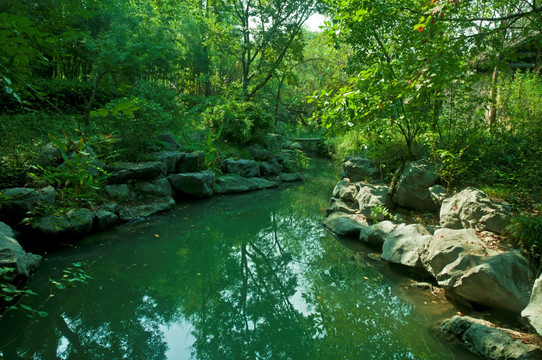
{"x":251,"y":276}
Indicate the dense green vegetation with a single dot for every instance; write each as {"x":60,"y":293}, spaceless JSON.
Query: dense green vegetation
{"x":454,"y":81}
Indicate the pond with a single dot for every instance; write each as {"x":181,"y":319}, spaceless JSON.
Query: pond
{"x":249,"y":276}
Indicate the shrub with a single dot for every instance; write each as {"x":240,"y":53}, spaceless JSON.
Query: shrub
{"x":241,"y":122}
{"x":526,"y":233}
{"x":160,"y":94}
{"x":133,"y":122}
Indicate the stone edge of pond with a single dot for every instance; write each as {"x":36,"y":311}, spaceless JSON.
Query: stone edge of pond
{"x":460,"y":254}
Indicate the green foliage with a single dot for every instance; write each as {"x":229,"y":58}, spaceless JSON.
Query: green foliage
{"x":520,"y":106}
{"x":71,"y":277}
{"x":74,"y":180}
{"x":240,"y":122}
{"x":14,"y":298}
{"x":132,"y":123}
{"x":211,"y":152}
{"x":380,"y":213}
{"x":526,"y":232}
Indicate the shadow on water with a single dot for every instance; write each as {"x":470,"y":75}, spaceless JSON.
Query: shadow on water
{"x":250,"y":276}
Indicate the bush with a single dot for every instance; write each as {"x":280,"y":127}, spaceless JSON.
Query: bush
{"x":526,"y":232}
{"x":240,"y":123}
{"x":160,"y":94}
{"x":133,"y":122}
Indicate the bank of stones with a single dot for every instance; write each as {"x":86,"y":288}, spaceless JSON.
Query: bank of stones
{"x":452,"y":254}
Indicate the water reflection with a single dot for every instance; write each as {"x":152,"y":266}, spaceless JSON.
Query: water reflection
{"x":251,"y":276}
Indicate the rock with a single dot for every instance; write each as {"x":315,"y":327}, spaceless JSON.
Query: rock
{"x":502,"y":281}
{"x":437,"y":194}
{"x":288,"y":159}
{"x":158,"y":187}
{"x":378,"y":233}
{"x":245,"y":168}
{"x":259,"y":153}
{"x":405,"y":245}
{"x":12,"y":254}
{"x":338,"y":205}
{"x":270,"y":169}
{"x":471,"y":208}
{"x":50,"y":155}
{"x":370,"y":196}
{"x":291,"y":177}
{"x":19,"y":201}
{"x":344,"y":224}
{"x":357,"y":168}
{"x":451,"y":252}
{"x":74,"y":224}
{"x":198,"y":184}
{"x":105,"y":219}
{"x":190,"y":162}
{"x":292,"y":145}
{"x":412,"y":190}
{"x":168,"y":139}
{"x":346,"y":191}
{"x":120,"y":192}
{"x":421,"y":285}
{"x":144,"y":211}
{"x":532,"y":314}
{"x":234,"y":184}
{"x":122,"y":171}
{"x":170,"y":160}
{"x":490,"y":341}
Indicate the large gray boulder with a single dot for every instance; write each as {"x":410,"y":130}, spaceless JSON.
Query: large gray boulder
{"x":74,"y":224}
{"x":235,"y":184}
{"x":198,"y":184}
{"x":245,"y":168}
{"x":120,"y":192}
{"x":270,"y":168}
{"x":337,"y":205}
{"x":370,"y":196}
{"x":105,"y":219}
{"x":532,"y":314}
{"x":12,"y":254}
{"x":357,"y":168}
{"x":502,"y":282}
{"x":170,"y":160}
{"x":412,"y":190}
{"x":490,"y":341}
{"x":346,"y":191}
{"x":471,"y":208}
{"x":19,"y":201}
{"x":144,"y":211}
{"x":259,"y":153}
{"x":168,"y":140}
{"x":158,"y":187}
{"x":190,"y":162}
{"x":122,"y":172}
{"x":378,"y":233}
{"x":345,"y":224}
{"x":451,"y":252}
{"x":405,"y":245}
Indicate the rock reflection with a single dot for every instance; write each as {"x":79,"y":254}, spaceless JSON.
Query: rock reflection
{"x":243,"y":277}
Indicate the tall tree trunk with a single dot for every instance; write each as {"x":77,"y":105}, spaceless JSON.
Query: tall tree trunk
{"x":492,"y":115}
{"x":92,"y":97}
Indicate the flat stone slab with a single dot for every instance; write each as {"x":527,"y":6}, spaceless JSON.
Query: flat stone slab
{"x":143,"y":211}
{"x":490,"y":341}
{"x":236,"y":184}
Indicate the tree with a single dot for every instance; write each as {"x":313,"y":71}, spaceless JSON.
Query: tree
{"x":267,"y":30}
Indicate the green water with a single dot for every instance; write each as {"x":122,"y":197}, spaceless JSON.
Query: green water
{"x":251,"y":276}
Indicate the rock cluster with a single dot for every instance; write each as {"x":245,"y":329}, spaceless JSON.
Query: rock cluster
{"x":454,"y":256}
{"x":139,"y":190}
